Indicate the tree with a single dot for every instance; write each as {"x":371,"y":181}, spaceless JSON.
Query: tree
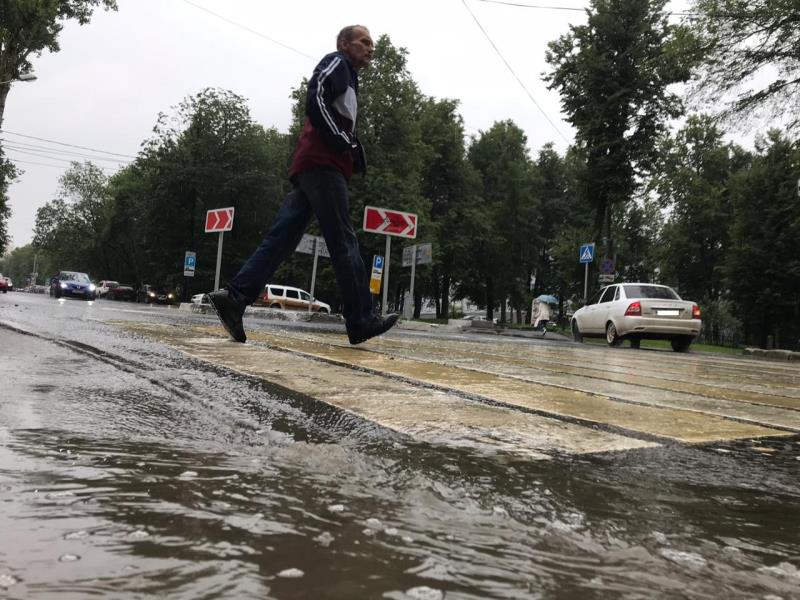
{"x":207,"y":153}
{"x":692,"y":186}
{"x":70,"y":227}
{"x":751,"y":57}
{"x":613,"y":74}
{"x":762,"y":265}
{"x":502,"y":251}
{"x":449,"y":184}
{"x":7,"y":175}
{"x":29,"y":27}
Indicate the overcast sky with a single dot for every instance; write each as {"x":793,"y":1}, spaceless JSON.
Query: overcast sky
{"x":106,"y":86}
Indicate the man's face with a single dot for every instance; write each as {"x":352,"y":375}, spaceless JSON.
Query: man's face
{"x":360,"y":48}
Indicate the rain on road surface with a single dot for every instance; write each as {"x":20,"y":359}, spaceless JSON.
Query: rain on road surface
{"x":143,"y":455}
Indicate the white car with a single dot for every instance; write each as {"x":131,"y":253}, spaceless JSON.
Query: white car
{"x":638,"y":311}
{"x":104,"y":286}
{"x":291,"y":298}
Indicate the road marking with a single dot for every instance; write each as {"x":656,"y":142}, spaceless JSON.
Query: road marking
{"x":425,"y":414}
{"x":751,"y":407}
{"x":561,"y":402}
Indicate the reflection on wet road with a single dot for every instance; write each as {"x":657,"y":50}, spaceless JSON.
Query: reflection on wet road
{"x":142,"y":455}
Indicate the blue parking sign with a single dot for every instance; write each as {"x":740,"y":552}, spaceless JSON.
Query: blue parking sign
{"x":378,"y":262}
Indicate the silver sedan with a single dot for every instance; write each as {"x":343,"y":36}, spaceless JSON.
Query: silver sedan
{"x":638,"y":311}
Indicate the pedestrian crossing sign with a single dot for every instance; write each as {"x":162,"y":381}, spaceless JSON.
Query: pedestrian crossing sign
{"x":586,"y":253}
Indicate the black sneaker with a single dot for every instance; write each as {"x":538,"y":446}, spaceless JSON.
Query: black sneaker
{"x":230,"y":314}
{"x":375,"y":326}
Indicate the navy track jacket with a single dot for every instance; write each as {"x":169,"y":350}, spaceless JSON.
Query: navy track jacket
{"x":328,"y":136}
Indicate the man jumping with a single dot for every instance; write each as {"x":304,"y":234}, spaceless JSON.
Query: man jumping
{"x":325,"y":157}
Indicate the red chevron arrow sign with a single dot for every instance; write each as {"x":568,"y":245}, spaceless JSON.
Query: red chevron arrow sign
{"x":390,"y":222}
{"x":219,"y":219}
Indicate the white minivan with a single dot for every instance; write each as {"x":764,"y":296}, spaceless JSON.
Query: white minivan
{"x":290,"y":298}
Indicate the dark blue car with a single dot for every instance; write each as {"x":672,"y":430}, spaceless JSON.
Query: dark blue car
{"x":72,"y":283}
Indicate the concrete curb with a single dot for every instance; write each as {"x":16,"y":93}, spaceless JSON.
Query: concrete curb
{"x":454,"y":326}
{"x":786,"y":355}
{"x":270,"y":313}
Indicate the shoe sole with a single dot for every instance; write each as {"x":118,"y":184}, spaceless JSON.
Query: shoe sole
{"x":361,"y":340}
{"x":224,"y":324}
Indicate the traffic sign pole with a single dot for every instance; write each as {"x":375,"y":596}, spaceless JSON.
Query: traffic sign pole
{"x":586,"y":283}
{"x":386,"y":278}
{"x":314,"y":272}
{"x":219,"y":261}
{"x":413,"y":272}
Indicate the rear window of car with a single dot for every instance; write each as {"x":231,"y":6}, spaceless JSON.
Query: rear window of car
{"x":275,"y":291}
{"x":651,"y":291}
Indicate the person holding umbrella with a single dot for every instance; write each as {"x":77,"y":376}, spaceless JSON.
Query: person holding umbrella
{"x":541,"y":312}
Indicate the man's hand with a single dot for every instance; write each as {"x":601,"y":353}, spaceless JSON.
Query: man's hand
{"x":359,"y":159}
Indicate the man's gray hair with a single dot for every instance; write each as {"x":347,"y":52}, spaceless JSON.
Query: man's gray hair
{"x":346,"y":34}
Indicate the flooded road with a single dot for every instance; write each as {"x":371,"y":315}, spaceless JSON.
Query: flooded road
{"x":143,"y":456}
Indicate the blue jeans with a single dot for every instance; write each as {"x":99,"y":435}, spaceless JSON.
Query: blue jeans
{"x":320,"y":192}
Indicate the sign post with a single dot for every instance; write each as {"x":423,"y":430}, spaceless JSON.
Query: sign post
{"x":189,"y":263}
{"x":219,"y":220}
{"x":389,"y":223}
{"x":377,"y":274}
{"x":313,"y":244}
{"x":585,"y":256}
{"x":418,"y":254}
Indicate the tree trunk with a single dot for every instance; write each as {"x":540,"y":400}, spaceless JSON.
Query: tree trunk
{"x":4,"y":89}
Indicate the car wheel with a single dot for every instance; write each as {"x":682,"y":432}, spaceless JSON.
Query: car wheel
{"x":324,"y":311}
{"x":612,"y":337}
{"x":681,"y":344}
{"x":276,"y":305}
{"x":635,"y":344}
{"x":576,"y":332}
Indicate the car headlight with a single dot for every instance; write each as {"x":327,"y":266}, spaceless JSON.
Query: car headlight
{"x":92,"y":287}
{"x":170,"y":296}
{"x":152,"y":294}
{"x":63,"y":285}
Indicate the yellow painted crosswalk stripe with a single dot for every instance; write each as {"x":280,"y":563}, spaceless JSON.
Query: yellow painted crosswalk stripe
{"x":426,"y":414}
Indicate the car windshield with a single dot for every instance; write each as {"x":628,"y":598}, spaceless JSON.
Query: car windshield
{"x":79,"y":277}
{"x":651,"y":291}
{"x":111,"y":284}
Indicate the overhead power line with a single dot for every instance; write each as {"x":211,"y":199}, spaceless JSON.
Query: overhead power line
{"x":48,"y":152}
{"x":508,"y":66}
{"x":569,"y":8}
{"x":248,"y":29}
{"x":31,"y":137}
{"x":38,"y":164}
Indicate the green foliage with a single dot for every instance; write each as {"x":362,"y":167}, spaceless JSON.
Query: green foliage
{"x":503,"y":250}
{"x":70,"y":227}
{"x":7,"y":175}
{"x":762,"y":265}
{"x":751,"y":54}
{"x":28,"y":27}
{"x":613,"y":74}
{"x":31,"y":26}
{"x":692,"y":182}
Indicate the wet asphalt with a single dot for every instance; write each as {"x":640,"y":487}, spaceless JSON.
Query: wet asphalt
{"x":136,"y":464}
